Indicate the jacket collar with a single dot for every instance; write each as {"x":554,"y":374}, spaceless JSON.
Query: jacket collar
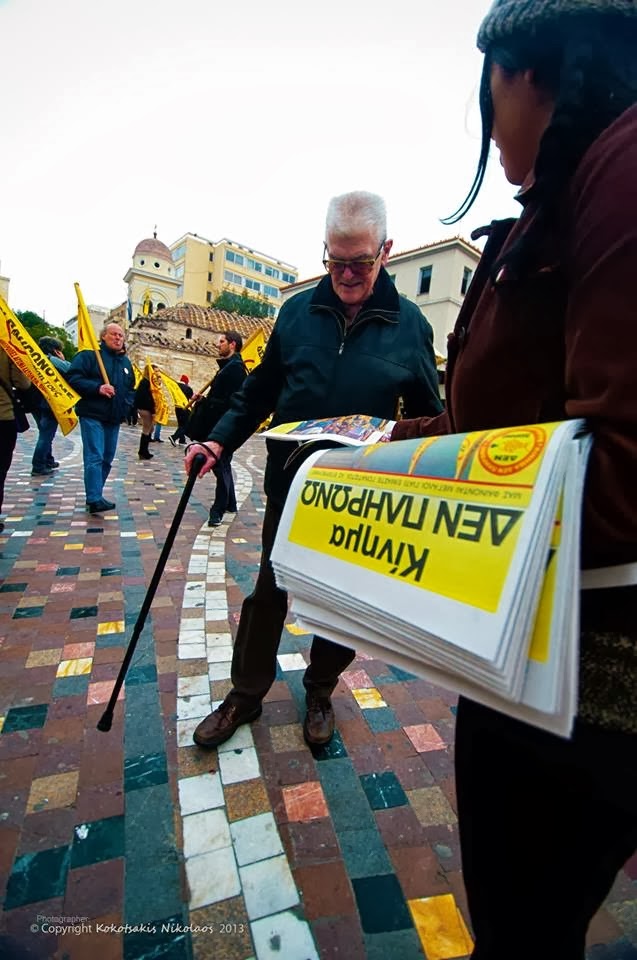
{"x":222,"y":361}
{"x":384,"y":298}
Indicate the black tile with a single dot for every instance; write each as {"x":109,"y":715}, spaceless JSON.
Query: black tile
{"x":98,"y":840}
{"x":13,"y":587}
{"x":145,"y":771}
{"x":80,"y":613}
{"x":110,"y":571}
{"x":67,"y":571}
{"x":334,"y":749}
{"x":27,"y":613}
{"x":38,"y":876}
{"x":25,"y":718}
{"x":381,"y":904}
{"x":169,"y":941}
{"x":144,"y":673}
{"x":383,"y":790}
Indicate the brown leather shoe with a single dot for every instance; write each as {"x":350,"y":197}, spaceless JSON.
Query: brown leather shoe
{"x":318,"y":727}
{"x":219,"y":725}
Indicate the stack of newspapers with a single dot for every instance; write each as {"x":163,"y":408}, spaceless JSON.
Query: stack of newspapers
{"x":453,"y":557}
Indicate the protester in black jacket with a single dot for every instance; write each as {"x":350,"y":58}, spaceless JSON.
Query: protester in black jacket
{"x":229,"y":379}
{"x":182,"y":413}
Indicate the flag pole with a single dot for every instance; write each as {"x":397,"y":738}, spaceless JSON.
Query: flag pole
{"x":82,"y":313}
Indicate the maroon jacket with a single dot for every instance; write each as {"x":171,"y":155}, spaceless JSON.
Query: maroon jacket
{"x":563,"y":343}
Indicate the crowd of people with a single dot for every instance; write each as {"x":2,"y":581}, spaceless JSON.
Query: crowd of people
{"x":545,"y":333}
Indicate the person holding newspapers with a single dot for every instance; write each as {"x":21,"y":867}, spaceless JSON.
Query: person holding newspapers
{"x":547,"y":332}
{"x":352,"y":345}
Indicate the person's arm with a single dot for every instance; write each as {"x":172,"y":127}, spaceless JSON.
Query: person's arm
{"x":601,"y":340}
{"x":423,"y":411}
{"x":84,"y":376}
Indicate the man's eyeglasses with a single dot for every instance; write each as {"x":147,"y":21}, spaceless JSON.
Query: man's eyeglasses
{"x":361,"y":267}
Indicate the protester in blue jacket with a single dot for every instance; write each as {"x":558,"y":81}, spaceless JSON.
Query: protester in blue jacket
{"x":102,"y":408}
{"x":43,"y":462}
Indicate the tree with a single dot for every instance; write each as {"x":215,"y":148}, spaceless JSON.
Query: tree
{"x":38,"y":327}
{"x":242,"y":303}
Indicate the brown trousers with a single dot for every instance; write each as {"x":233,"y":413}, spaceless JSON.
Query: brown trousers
{"x":262,"y":618}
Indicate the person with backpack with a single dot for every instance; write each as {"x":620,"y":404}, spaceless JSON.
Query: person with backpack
{"x":43,"y":462}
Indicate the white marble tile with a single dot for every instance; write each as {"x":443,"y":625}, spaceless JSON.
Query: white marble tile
{"x":237,"y":766}
{"x":255,"y":838}
{"x":291,"y":661}
{"x":216,"y":599}
{"x":218,"y":639}
{"x":193,"y":686}
{"x":191,"y":651}
{"x":205,"y":831}
{"x":268,"y":887}
{"x":195,"y":588}
{"x":203,"y":792}
{"x":193,"y":706}
{"x":220,"y":671}
{"x":197,"y":565}
{"x":240,"y":740}
{"x":29,"y":533}
{"x":193,"y":602}
{"x":212,"y":877}
{"x":128,"y":533}
{"x":218,"y":654}
{"x":216,"y":549}
{"x":195,"y":632}
{"x":215,"y":613}
{"x":283,"y":935}
{"x":216,"y":570}
{"x":185,"y":730}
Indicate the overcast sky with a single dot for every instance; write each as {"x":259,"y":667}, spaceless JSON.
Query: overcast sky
{"x":227,"y":119}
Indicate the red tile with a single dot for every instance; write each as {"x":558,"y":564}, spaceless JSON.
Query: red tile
{"x":325,"y":890}
{"x":96,"y":889}
{"x":305,"y":801}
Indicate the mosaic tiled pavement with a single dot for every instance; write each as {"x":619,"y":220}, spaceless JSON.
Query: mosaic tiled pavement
{"x":142,"y":845}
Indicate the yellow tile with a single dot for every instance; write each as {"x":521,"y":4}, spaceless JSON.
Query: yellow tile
{"x":159,"y":501}
{"x":75,"y":668}
{"x":440,"y":926}
{"x":369,"y":698}
{"x":114,"y":626}
{"x":49,"y":513}
{"x":49,"y":793}
{"x":145,"y":535}
{"x":73,"y":546}
{"x":43,"y":658}
{"x":239,"y":540}
{"x":59,"y":533}
{"x":293,"y":627}
{"x":1,"y":723}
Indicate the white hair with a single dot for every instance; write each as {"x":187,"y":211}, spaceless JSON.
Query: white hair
{"x":356,"y":212}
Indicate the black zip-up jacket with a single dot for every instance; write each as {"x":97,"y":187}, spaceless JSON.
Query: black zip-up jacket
{"x":314,"y":367}
{"x":85,"y":377}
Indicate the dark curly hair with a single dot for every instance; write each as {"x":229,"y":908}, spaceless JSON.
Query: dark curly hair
{"x":588,"y":64}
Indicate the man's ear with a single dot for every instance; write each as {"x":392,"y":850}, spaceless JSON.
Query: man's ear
{"x":385,"y":257}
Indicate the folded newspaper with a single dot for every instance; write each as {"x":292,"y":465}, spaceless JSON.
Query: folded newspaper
{"x":355,"y":430}
{"x":453,"y":557}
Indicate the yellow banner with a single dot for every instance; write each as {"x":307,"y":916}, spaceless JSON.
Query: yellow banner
{"x":177,"y":394}
{"x":253,"y":350}
{"x":138,"y":375}
{"x":28,"y":357}
{"x":86,"y":339}
{"x":154,"y":377}
{"x":444,"y":514}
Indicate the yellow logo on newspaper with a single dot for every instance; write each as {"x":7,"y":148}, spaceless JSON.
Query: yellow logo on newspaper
{"x":506,"y":452}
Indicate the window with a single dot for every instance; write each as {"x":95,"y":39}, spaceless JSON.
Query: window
{"x":142,"y":262}
{"x":466,"y":280}
{"x":288,"y":277}
{"x":233,"y":257}
{"x":270,"y":291}
{"x":209,"y":277}
{"x":188,"y":333}
{"x":254,"y":265}
{"x":253,"y":284}
{"x":231,"y":277}
{"x":424,"y":280}
{"x":273,"y":272}
{"x":161,"y":306}
{"x":179,"y":271}
{"x":211,"y":257}
{"x":209,"y":296}
{"x":179,"y":252}
{"x":180,"y":290}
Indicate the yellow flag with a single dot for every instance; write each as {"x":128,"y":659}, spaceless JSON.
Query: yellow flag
{"x":86,"y":339}
{"x":138,"y":375}
{"x":20,"y":346}
{"x":177,"y":394}
{"x":253,"y":350}
{"x":154,"y":377}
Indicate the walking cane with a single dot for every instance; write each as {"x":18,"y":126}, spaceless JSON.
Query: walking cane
{"x":106,"y":720}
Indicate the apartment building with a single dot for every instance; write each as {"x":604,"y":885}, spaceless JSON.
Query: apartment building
{"x":205,"y":268}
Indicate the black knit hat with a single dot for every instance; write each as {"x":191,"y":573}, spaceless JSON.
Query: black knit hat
{"x":507,"y":17}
